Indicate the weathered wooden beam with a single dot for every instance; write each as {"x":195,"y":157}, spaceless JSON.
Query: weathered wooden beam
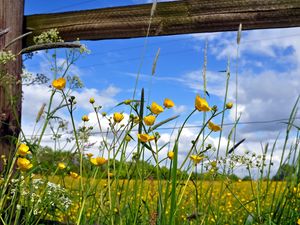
{"x":180,"y":17}
{"x":11,"y":19}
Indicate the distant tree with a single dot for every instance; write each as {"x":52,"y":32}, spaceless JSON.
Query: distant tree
{"x":284,"y":172}
{"x":246,"y":178}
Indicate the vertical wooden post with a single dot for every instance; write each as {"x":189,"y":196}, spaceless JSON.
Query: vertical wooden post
{"x":11,"y":18}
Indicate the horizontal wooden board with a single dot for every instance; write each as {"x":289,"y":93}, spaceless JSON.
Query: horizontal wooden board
{"x":170,"y":18}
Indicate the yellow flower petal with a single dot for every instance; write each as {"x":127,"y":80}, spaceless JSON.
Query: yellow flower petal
{"x":24,"y":164}
{"x":201,"y":104}
{"x":23,"y":149}
{"x":143,"y":137}
{"x":149,"y":120}
{"x":74,"y":175}
{"x":61,"y":166}
{"x":59,"y":83}
{"x":101,"y":161}
{"x":98,"y":161}
{"x":214,"y":127}
{"x":156,"y":109}
{"x":171,"y":155}
{"x":196,"y":158}
{"x":168,"y":103}
{"x":118,"y":117}
{"x":89,"y":155}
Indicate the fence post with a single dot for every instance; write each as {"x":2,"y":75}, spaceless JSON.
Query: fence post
{"x":11,"y":23}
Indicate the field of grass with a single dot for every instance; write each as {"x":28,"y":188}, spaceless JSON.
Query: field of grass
{"x":201,"y":202}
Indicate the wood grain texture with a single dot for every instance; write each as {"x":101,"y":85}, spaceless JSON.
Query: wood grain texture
{"x":179,"y":17}
{"x":11,"y":18}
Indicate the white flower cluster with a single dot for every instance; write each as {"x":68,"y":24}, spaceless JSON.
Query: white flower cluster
{"x":49,"y":36}
{"x":41,"y":195}
{"x":6,"y":56}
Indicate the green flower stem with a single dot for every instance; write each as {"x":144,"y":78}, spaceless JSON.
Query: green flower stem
{"x":47,"y":118}
{"x":174,"y":171}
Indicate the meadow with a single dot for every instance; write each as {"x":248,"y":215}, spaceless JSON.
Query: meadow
{"x":134,"y":179}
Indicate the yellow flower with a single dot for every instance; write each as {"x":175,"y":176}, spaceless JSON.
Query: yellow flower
{"x":118,"y":117}
{"x":89,"y":155}
{"x":156,"y":109}
{"x":61,"y":166}
{"x":98,"y":161}
{"x":196,"y":158}
{"x":92,"y":100}
{"x":201,"y":104}
{"x":23,"y":149}
{"x":59,"y":83}
{"x":151,"y":138}
{"x":149,"y":120}
{"x":85,"y":118}
{"x":171,"y":155}
{"x":145,"y":137}
{"x":74,"y":175}
{"x":229,"y":105}
{"x":213,"y":126}
{"x":24,"y":164}
{"x":168,"y":103}
{"x":298,"y":222}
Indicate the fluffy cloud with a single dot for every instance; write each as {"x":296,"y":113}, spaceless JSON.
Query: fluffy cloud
{"x":269,"y":42}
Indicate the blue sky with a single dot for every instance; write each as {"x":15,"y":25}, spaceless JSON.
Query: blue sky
{"x":268,"y":68}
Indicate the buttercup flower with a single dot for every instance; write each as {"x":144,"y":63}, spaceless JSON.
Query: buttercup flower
{"x":168,"y":103}
{"x":85,"y":118}
{"x":118,"y":117}
{"x":229,"y":105}
{"x":59,"y":83}
{"x":213,"y":126}
{"x":89,"y":155}
{"x":61,"y":166}
{"x":92,"y":100}
{"x":201,"y":104}
{"x":143,"y":137}
{"x":196,"y":158}
{"x":151,"y":138}
{"x":156,"y":109}
{"x":23,"y":149}
{"x":298,"y":222}
{"x":149,"y":120}
{"x":171,"y":155}
{"x":98,"y":161}
{"x":74,"y":175}
{"x":24,"y":164}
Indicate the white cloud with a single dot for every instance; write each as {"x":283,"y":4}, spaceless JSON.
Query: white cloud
{"x":105,"y":98}
{"x":178,"y":109}
{"x":268,"y":42}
